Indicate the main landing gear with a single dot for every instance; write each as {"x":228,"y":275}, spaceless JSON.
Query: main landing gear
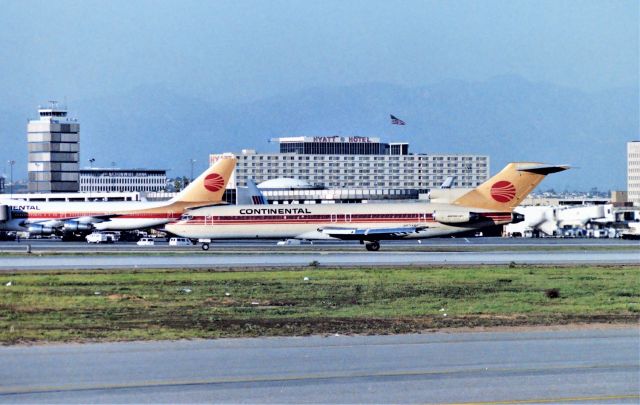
{"x":205,"y":246}
{"x":372,"y":246}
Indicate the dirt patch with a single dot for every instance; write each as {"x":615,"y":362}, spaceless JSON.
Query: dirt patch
{"x":317,"y":326}
{"x":119,"y":297}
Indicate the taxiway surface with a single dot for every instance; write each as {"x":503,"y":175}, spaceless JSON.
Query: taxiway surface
{"x":550,"y":366}
{"x":59,"y":255}
{"x":319,"y":259}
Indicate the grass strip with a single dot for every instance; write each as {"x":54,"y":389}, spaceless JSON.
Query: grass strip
{"x":63,"y":306}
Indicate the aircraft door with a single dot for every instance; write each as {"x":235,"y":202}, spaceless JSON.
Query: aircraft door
{"x":334,"y":218}
{"x":347,"y":217}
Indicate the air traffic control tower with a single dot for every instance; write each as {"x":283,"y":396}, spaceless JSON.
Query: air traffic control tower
{"x":54,"y":143}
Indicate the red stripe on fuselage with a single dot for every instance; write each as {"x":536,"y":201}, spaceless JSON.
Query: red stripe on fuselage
{"x":334,"y":218}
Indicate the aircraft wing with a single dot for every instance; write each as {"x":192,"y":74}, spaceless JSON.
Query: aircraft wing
{"x":56,"y":222}
{"x":77,"y":223}
{"x":370,"y":233}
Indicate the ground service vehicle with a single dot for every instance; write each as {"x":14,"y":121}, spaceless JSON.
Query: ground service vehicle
{"x":180,"y":242}
{"x":146,"y":242}
{"x":98,"y":237}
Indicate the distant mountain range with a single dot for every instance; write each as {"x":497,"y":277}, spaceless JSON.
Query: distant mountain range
{"x":507,"y":118}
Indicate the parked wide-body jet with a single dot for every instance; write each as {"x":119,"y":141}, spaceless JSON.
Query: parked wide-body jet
{"x":489,"y":204}
{"x":45,"y":218}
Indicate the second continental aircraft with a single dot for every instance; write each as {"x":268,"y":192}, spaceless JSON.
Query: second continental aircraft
{"x":491,"y":203}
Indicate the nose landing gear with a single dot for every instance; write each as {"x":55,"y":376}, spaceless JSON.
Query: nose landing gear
{"x":372,"y":246}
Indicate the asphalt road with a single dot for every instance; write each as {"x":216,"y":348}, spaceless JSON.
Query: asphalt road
{"x":553,"y":366}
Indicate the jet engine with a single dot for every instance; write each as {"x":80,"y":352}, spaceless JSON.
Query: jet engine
{"x":37,"y":229}
{"x":516,"y":218}
{"x":75,"y":226}
{"x":445,"y":217}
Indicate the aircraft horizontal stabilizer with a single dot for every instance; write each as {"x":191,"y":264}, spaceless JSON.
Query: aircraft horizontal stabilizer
{"x":543,"y":169}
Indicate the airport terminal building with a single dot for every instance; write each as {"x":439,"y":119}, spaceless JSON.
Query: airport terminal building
{"x":354,"y":168}
{"x":122,"y":180}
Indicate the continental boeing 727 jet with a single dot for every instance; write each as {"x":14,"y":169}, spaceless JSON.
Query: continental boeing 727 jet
{"x":491,"y":203}
{"x":45,"y":218}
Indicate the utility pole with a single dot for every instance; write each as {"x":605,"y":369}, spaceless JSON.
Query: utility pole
{"x":11,"y":163}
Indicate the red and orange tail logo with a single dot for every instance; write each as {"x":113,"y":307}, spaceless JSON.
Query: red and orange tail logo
{"x":209,"y":186}
{"x":214,"y":182}
{"x":503,"y":191}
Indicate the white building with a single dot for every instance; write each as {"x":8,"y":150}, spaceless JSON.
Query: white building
{"x":74,"y":197}
{"x":338,"y":162}
{"x":54,"y":143}
{"x":558,"y":220}
{"x":122,"y":180}
{"x":633,"y":172}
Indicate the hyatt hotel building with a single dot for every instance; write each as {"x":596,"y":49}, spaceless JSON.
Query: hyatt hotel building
{"x":352,"y":169}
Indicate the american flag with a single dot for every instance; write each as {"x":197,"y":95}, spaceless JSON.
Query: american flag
{"x":396,"y":121}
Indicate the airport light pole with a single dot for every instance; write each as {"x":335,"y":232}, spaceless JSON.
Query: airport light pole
{"x":11,"y":163}
{"x":91,"y":176}
{"x":192,"y":161}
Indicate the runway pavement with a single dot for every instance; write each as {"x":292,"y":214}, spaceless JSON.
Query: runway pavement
{"x":59,"y":255}
{"x":548,"y":366}
{"x":321,"y":259}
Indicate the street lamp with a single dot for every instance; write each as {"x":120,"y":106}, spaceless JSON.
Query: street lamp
{"x":91,"y":162}
{"x":11,"y":163}
{"x":192,"y":161}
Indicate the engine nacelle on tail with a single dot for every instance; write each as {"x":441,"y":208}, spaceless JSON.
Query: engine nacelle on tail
{"x":516,"y":218}
{"x":75,"y":226}
{"x":37,"y":229}
{"x":451,"y":217}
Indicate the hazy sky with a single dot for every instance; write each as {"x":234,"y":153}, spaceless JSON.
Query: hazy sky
{"x":244,"y":50}
{"x":240,"y":51}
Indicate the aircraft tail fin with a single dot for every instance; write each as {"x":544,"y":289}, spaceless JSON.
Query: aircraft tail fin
{"x":210,"y":185}
{"x":507,"y":189}
{"x":250,"y":195}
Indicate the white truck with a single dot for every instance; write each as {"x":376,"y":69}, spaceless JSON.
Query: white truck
{"x":98,"y":237}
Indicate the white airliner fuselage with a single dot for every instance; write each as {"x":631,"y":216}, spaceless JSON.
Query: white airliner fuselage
{"x":118,"y":215}
{"x":367,"y":222}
